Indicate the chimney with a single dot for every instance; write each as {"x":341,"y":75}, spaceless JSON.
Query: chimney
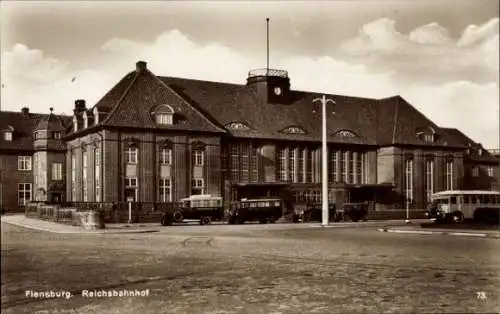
{"x":141,"y":66}
{"x":25,"y":110}
{"x":79,"y":106}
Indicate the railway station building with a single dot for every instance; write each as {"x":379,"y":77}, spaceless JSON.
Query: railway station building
{"x":158,"y":139}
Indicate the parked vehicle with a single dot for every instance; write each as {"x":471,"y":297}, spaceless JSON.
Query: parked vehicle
{"x":354,"y":211}
{"x":262,"y":210}
{"x":314,"y":212}
{"x":457,"y":206}
{"x":204,"y":208}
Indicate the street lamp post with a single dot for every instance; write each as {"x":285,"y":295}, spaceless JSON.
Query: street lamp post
{"x":324,"y":167}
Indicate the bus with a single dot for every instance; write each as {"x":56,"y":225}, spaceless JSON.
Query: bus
{"x":460,"y":205}
{"x":204,"y":208}
{"x":263,"y":210}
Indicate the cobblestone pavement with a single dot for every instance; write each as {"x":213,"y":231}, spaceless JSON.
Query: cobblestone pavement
{"x":252,"y":270}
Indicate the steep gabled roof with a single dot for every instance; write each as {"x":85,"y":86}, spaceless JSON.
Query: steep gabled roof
{"x":466,"y":141}
{"x":24,"y":125}
{"x":133,"y":100}
{"x":400,"y":123}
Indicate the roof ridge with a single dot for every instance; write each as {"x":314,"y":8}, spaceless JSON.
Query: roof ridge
{"x":184,"y":100}
{"x":115,"y":107}
{"x":197,"y":80}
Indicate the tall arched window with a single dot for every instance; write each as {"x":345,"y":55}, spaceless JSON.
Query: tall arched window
{"x":449,"y":177}
{"x":408,"y":180}
{"x":429,"y":177}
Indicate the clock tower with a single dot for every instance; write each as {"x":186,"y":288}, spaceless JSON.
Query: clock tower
{"x":270,"y":85}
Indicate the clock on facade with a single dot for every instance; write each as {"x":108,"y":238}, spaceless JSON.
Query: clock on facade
{"x":277,"y":91}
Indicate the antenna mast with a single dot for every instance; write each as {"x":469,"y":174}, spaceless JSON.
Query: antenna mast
{"x":267,"y":33}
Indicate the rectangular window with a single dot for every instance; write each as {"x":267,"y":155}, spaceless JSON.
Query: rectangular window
{"x":332,"y":167}
{"x":164,"y":118}
{"x":73,"y":177}
{"x":408,"y":181}
{"x":8,"y":136}
{"x":23,"y":193}
{"x":343,"y":166}
{"x":235,"y":163}
{"x":24,"y":163}
{"x":364,"y":167}
{"x":309,"y":163}
{"x":291,"y":164}
{"x":197,"y":158}
{"x":165,"y":191}
{"x":300,"y":165}
{"x":131,"y":155}
{"x":57,"y":135}
{"x":84,"y":177}
{"x":282,"y":175}
{"x":254,"y":170}
{"x":245,"y":162}
{"x":197,"y":186}
{"x":359,"y":168}
{"x":57,"y":171}
{"x":449,"y":175}
{"x":97,"y":173}
{"x":429,"y":178}
{"x":166,"y":156}
{"x":352,"y":164}
{"x":475,"y":171}
{"x":491,"y":172}
{"x":131,"y":188}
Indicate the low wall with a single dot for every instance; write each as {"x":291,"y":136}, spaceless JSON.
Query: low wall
{"x":87,"y":219}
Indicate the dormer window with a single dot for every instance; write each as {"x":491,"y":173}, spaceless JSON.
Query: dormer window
{"x":345,"y":133}
{"x":85,"y":120}
{"x":294,"y":130}
{"x":237,"y":126}
{"x":96,"y":116}
{"x":429,"y":138}
{"x":8,"y":133}
{"x":480,"y":151}
{"x":164,"y":115}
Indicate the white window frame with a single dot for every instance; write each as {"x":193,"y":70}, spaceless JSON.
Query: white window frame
{"x":199,"y":184}
{"x":8,"y":136}
{"x":198,"y":157}
{"x":131,"y":155}
{"x":57,"y":172}
{"x":73,"y":177}
{"x":97,"y":173}
{"x":429,"y":178}
{"x":24,"y":189}
{"x":132,"y":183}
{"x":282,"y":161}
{"x":408,"y":180}
{"x":164,"y":118}
{"x":475,"y":171}
{"x":166,"y":156}
{"x":24,"y":163}
{"x":491,"y":172}
{"x":165,"y":190}
{"x":449,"y":175}
{"x":57,"y":135}
{"x":84,"y":176}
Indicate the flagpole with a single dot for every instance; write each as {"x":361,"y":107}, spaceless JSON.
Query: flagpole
{"x":267,"y":46}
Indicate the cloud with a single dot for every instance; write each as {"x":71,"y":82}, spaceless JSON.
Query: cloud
{"x":427,"y":53}
{"x":447,"y":79}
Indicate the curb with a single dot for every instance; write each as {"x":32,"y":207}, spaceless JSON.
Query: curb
{"x":82,"y":231}
{"x":461,"y":234}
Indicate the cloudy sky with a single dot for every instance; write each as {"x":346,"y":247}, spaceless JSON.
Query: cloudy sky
{"x":441,"y":56}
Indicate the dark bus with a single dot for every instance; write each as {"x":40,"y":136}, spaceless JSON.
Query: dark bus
{"x":204,"y":208}
{"x":261,"y":210}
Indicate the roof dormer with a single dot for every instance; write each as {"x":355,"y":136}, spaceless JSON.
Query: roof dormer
{"x":8,"y":133}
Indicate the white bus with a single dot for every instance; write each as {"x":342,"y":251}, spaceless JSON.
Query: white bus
{"x":465,"y":205}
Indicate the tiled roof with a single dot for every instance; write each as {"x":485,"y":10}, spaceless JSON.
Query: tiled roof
{"x":473,"y":146}
{"x":23,"y":124}
{"x":141,"y":92}
{"x":209,"y":106}
{"x":228,"y":103}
